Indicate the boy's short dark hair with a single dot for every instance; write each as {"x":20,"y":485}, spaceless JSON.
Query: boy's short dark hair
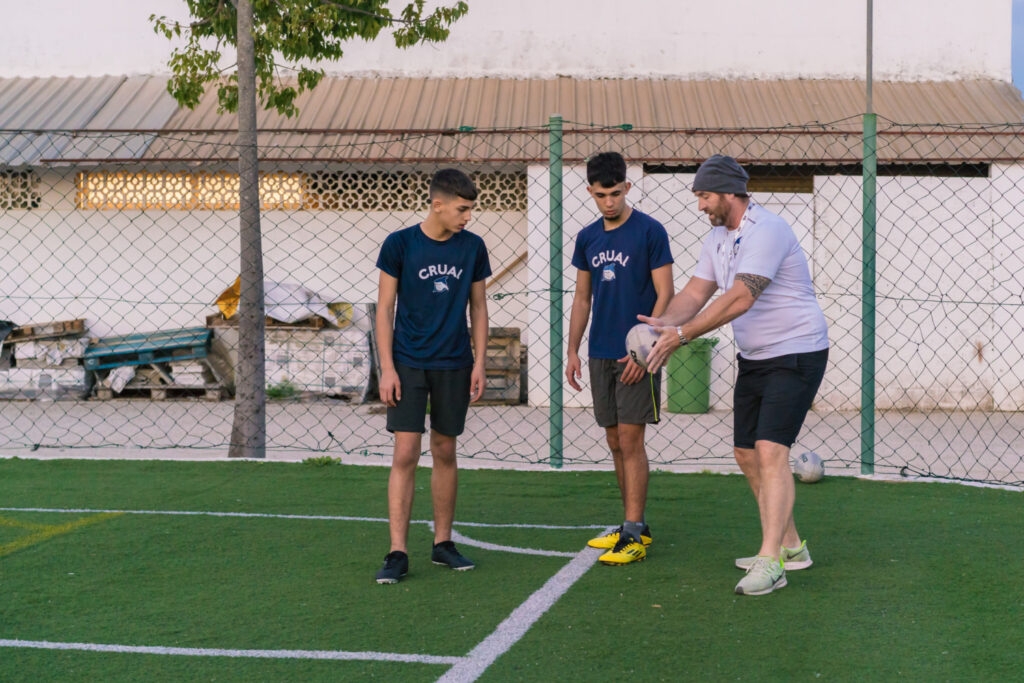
{"x":606,"y":169}
{"x":452,"y":182}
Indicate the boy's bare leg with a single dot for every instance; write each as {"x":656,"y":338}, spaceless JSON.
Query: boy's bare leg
{"x":635,"y":472}
{"x":612,"y":436}
{"x":401,"y":486}
{"x":444,"y":483}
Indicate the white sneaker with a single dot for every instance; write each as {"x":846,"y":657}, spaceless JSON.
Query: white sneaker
{"x":791,"y":559}
{"x":764,"y":576}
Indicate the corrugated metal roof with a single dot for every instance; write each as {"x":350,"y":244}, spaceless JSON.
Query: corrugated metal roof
{"x":417,"y":103}
{"x":415,"y":119}
{"x":356,"y":119}
{"x":79,"y":104}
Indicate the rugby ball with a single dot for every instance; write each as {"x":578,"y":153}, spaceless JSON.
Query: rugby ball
{"x":809,"y":467}
{"x":639,"y":341}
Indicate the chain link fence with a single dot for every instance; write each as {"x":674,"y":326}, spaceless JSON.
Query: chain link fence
{"x":111,"y":236}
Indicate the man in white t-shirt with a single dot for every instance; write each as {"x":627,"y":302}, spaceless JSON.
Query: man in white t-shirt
{"x":753,"y":256}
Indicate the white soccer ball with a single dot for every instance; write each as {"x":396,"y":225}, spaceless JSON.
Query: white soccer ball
{"x":639,"y":341}
{"x":809,"y":467}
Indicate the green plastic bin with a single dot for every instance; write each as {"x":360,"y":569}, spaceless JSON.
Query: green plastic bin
{"x":689,"y":377}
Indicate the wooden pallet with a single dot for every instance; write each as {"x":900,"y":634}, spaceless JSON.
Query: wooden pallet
{"x":51,"y":330}
{"x":502,"y":366}
{"x":157,"y":383}
{"x":144,"y":349}
{"x":314,"y":323}
{"x":38,"y":363}
{"x":166,"y":392}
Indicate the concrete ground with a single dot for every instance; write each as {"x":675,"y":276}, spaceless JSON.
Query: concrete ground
{"x":979,"y":446}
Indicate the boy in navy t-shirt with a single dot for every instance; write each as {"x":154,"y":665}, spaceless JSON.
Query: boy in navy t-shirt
{"x":625,"y":267}
{"x":433,"y":270}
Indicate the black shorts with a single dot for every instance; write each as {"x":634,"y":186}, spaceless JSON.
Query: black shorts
{"x":617,"y":403}
{"x":773,"y":396}
{"x":448,"y":394}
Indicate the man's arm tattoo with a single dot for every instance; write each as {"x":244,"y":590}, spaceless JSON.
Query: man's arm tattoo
{"x":755,"y":283}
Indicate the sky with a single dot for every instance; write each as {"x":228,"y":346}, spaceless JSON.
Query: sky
{"x":1017,"y":42}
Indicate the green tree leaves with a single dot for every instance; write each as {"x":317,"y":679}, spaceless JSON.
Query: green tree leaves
{"x":292,"y":31}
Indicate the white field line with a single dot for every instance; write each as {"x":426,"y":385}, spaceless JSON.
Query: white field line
{"x":467,"y":668}
{"x":522,"y":618}
{"x":472,"y":542}
{"x":335,"y":518}
{"x":218,"y":652}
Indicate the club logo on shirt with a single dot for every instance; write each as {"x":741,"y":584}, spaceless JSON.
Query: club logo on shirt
{"x":440,"y":274}
{"x":609,"y":256}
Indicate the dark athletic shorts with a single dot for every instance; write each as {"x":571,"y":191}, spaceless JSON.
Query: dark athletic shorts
{"x":773,"y":396}
{"x":617,"y":403}
{"x":448,"y":392}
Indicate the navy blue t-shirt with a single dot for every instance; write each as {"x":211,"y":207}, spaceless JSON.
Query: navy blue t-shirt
{"x":434,"y":279}
{"x":620,"y":262}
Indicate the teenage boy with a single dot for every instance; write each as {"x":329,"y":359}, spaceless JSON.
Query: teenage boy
{"x":624,"y":270}
{"x":433,"y":270}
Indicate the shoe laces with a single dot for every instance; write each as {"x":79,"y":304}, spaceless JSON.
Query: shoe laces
{"x":764,"y":565}
{"x":392,"y":559}
{"x":624,"y":542}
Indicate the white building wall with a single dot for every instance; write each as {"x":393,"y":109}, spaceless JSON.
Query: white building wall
{"x":936,"y":314}
{"x":950,"y":274}
{"x":1005,"y":353}
{"x":836,"y":256}
{"x":914,"y":40}
{"x":136,"y":271}
{"x":934,"y":289}
{"x":941,"y":340}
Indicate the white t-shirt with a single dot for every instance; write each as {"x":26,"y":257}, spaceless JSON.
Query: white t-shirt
{"x":786,"y":318}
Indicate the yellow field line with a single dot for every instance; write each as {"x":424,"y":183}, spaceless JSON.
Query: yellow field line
{"x":21,"y":525}
{"x":49,"y":532}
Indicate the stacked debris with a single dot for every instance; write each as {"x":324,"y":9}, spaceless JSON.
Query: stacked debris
{"x":44,"y":361}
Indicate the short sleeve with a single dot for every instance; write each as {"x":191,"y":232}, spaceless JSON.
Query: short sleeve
{"x":390,"y":258}
{"x":659,"y":252}
{"x":762,"y":252}
{"x":705,"y":269}
{"x":579,"y":252}
{"x":482,"y":266}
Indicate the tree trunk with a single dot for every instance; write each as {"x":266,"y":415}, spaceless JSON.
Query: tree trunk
{"x":249,"y":429}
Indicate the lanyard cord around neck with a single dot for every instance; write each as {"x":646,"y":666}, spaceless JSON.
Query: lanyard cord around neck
{"x":729,"y":248}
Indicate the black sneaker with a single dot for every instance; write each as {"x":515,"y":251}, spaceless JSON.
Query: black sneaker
{"x":445,"y":553}
{"x":396,"y":565}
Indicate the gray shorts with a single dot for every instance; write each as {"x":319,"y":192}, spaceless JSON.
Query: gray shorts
{"x":448,"y":395}
{"x":617,"y":403}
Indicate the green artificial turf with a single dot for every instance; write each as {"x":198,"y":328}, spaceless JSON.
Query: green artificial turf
{"x":912,"y":581}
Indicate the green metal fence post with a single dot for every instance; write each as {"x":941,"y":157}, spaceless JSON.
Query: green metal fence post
{"x":867,"y":370}
{"x":555,"y":275}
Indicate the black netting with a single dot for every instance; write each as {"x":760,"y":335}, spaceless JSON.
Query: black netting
{"x":109,"y":237}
